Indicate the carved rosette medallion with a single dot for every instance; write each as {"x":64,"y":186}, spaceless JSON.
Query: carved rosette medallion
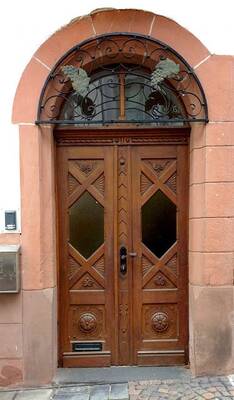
{"x":160,"y":322}
{"x":87,"y":322}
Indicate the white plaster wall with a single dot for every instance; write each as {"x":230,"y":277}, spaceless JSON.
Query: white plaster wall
{"x":26,"y":24}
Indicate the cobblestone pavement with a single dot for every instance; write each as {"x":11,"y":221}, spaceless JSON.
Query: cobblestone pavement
{"x":215,"y":388}
{"x":206,"y":388}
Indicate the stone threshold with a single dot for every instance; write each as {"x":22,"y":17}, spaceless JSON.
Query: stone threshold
{"x":120,"y":374}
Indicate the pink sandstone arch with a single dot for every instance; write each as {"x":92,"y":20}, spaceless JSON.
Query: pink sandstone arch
{"x":99,"y":22}
{"x":39,"y":302}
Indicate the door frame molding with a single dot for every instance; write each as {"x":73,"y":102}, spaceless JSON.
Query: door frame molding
{"x":67,"y":136}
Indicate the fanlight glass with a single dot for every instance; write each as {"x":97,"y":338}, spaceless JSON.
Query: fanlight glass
{"x":124,"y":96}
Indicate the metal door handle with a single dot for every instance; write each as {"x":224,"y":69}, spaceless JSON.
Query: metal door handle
{"x":123,"y":260}
{"x":133,"y":254}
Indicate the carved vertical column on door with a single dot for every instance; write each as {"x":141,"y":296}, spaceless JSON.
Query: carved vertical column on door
{"x":123,"y":240}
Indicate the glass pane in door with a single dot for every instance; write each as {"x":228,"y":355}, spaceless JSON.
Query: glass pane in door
{"x":159,"y":223}
{"x":86,"y":217}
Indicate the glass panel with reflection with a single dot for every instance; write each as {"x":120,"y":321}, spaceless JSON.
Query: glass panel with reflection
{"x":86,"y":217}
{"x":159,"y":223}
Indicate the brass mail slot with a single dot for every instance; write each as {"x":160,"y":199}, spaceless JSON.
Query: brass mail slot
{"x":9,"y":269}
{"x":86,"y":346}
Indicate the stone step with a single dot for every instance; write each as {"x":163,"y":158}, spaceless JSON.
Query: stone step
{"x":97,"y":392}
{"x":117,"y":391}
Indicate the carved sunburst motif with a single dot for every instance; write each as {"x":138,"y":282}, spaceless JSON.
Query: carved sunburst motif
{"x":73,"y":266}
{"x":72,"y":183}
{"x":171,"y":182}
{"x":145,"y":183}
{"x":99,"y":184}
{"x":146,"y":265}
{"x":172,"y":264}
{"x":100,"y":266}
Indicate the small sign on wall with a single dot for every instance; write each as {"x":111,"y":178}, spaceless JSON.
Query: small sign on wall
{"x":10,"y":221}
{"x":9,"y":269}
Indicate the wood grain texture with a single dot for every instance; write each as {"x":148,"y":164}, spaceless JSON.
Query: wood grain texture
{"x":160,"y":284}
{"x":86,"y":295}
{"x":140,"y":317}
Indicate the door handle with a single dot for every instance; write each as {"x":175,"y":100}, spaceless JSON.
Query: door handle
{"x":132,"y":254}
{"x":123,"y":255}
{"x":123,"y":260}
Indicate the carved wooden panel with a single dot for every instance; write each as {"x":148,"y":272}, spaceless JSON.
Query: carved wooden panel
{"x":99,"y":265}
{"x":160,"y":321}
{"x":123,"y":201}
{"x":160,"y":297}
{"x":146,"y":183}
{"x":172,"y":264}
{"x":99,"y":184}
{"x":158,"y":165}
{"x":106,"y":137}
{"x":160,"y":281}
{"x":87,"y":282}
{"x":87,"y":166}
{"x":171,"y":182}
{"x":87,"y":320}
{"x":87,"y":323}
{"x":123,"y":207}
{"x":72,"y":183}
{"x":73,"y":267}
{"x":146,"y":265}
{"x":138,"y":317}
{"x":86,"y":182}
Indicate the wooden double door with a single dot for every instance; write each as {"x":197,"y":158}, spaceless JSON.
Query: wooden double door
{"x":122,"y":255}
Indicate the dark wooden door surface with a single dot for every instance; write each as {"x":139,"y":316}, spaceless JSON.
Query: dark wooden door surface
{"x":160,"y":268}
{"x":117,"y":310}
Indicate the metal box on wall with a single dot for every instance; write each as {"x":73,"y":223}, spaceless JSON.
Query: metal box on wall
{"x":9,"y":268}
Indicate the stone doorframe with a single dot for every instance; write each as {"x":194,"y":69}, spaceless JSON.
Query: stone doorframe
{"x":211,"y":229}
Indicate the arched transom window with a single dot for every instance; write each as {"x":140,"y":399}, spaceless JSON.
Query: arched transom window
{"x":122,"y":78}
{"x":123,"y":93}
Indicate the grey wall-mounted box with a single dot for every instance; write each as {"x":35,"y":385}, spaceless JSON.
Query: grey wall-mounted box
{"x":9,"y":268}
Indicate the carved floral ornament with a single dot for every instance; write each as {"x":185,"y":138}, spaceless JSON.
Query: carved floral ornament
{"x":120,"y":77}
{"x":160,"y":321}
{"x":87,"y":322}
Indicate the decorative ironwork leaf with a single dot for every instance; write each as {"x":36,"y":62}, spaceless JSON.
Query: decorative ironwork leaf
{"x":79,"y":78}
{"x":164,"y":69}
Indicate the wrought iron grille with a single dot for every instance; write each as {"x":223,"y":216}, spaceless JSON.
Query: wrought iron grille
{"x":122,"y":78}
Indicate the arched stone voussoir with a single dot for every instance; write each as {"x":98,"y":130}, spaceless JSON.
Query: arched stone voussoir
{"x":28,"y":92}
{"x":126,"y":20}
{"x":78,"y":30}
{"x":180,"y":39}
{"x":89,"y":26}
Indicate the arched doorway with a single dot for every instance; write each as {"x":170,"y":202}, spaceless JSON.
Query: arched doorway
{"x":37,"y":134}
{"x":122,"y":105}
